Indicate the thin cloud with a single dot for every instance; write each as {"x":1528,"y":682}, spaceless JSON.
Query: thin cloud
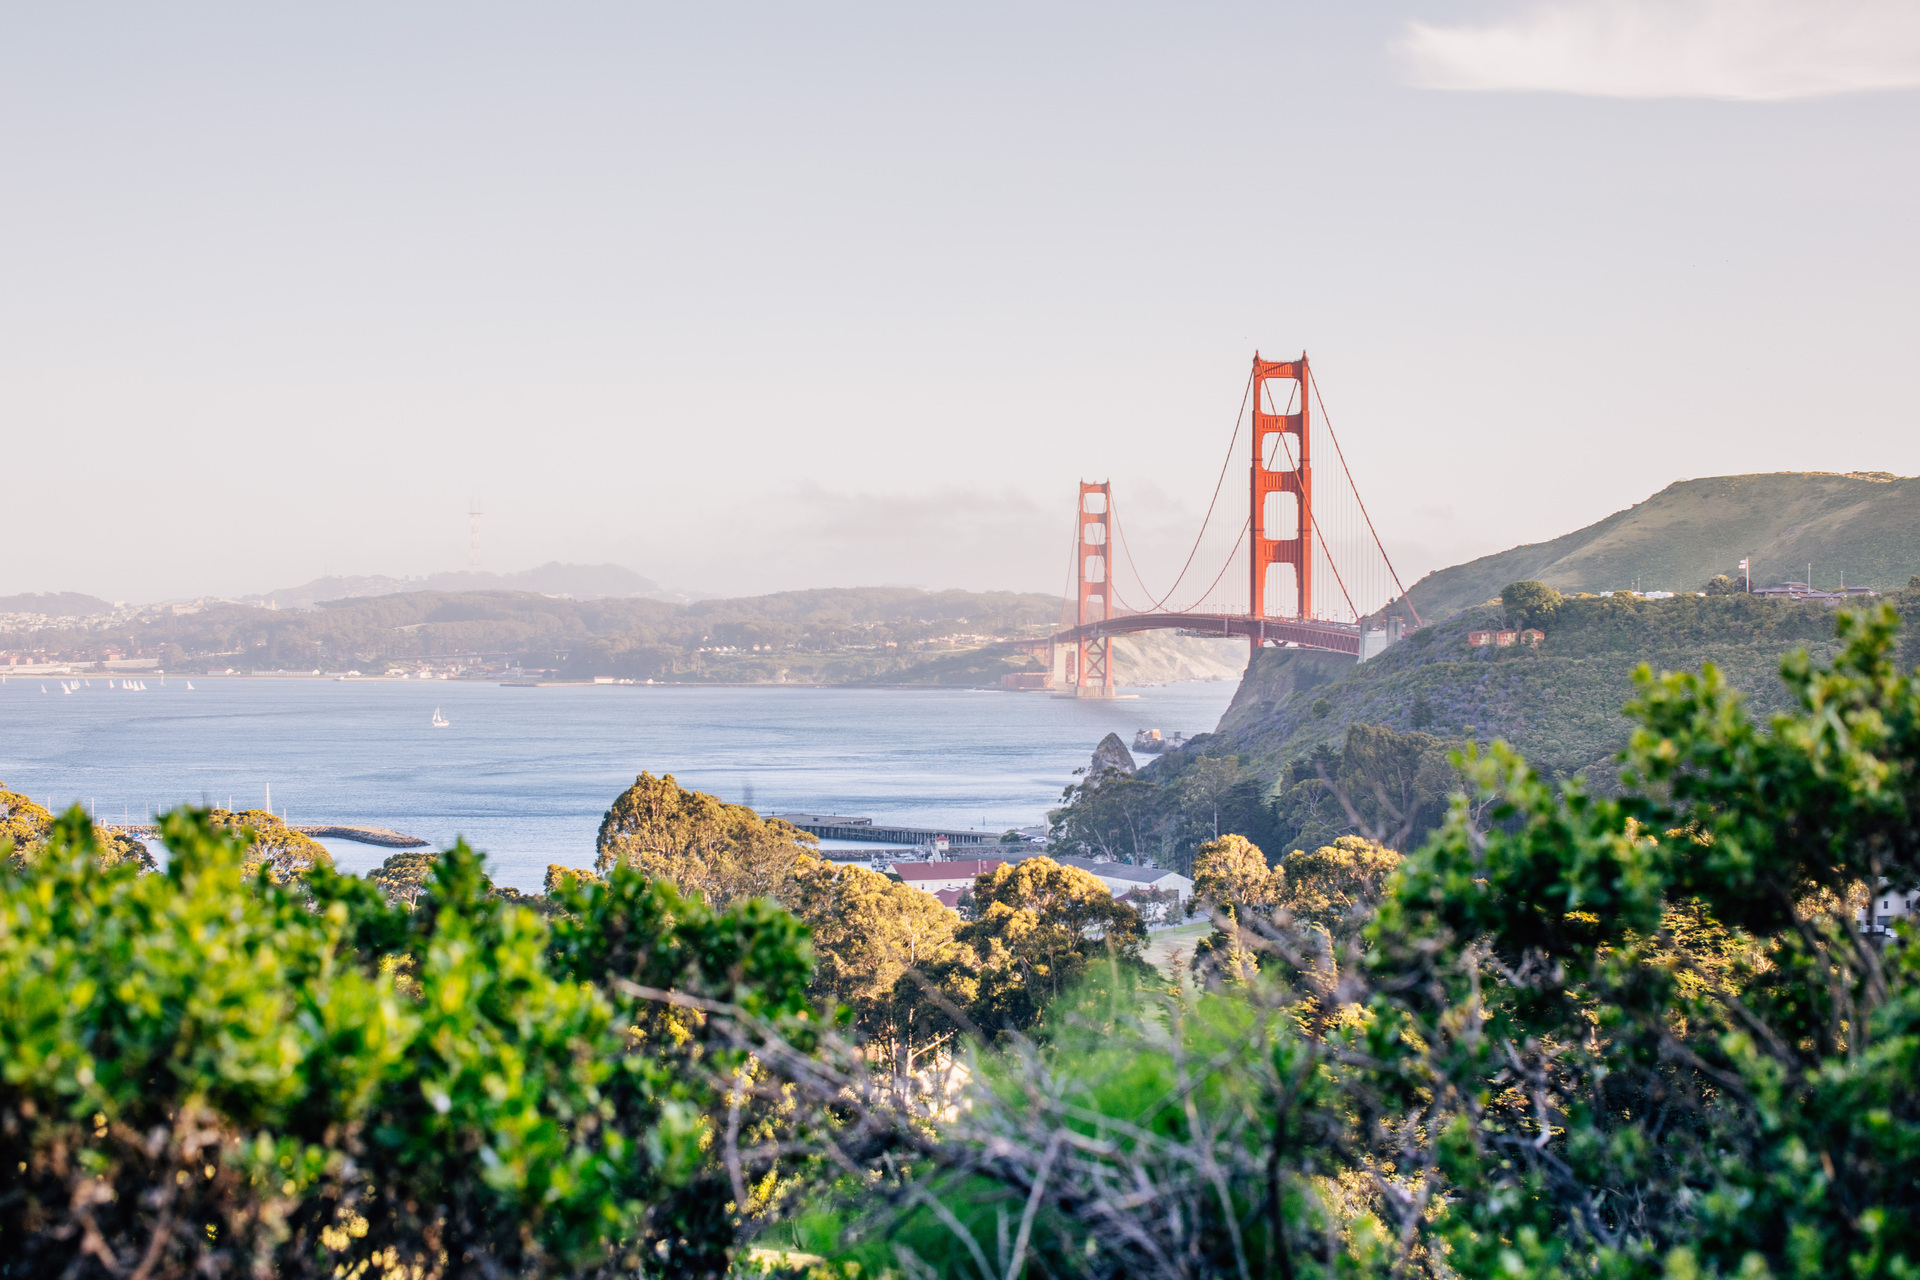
{"x":1748,"y":50}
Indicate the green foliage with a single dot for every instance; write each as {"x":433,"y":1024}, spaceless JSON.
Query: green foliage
{"x":1389,"y":786}
{"x":1038,"y":927}
{"x":1722,"y":585}
{"x":724,"y":852}
{"x":1530,"y":604}
{"x":1629,"y":1037}
{"x":26,"y":826}
{"x":22,"y":822}
{"x":403,"y":876}
{"x":1559,"y":704}
{"x":1144,"y":1133}
{"x":286,"y":854}
{"x":211,"y":1072}
{"x":1726,"y":1114}
{"x":1233,"y":870}
{"x":1115,"y":816}
{"x":874,"y":940}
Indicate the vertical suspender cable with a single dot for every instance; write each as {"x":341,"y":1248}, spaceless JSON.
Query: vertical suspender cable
{"x":1362,"y":501}
{"x":1314,"y":521}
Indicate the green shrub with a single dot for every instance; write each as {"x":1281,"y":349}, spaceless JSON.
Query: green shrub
{"x":213,"y":1073}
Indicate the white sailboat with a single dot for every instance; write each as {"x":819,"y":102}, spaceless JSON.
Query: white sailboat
{"x":189,"y":686}
{"x":440,"y":721}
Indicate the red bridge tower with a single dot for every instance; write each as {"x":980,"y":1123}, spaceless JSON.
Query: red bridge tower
{"x":1282,"y":499}
{"x":1092,"y":676}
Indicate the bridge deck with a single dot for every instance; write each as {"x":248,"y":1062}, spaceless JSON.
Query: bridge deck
{"x":1332,"y":637}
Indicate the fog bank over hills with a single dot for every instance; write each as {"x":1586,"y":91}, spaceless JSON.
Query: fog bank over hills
{"x":575,"y":581}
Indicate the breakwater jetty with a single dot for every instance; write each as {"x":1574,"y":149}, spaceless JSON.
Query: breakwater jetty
{"x":385,"y":837}
{"x":833,"y":826}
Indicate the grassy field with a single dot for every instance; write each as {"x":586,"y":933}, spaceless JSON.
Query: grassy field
{"x":1171,"y":950}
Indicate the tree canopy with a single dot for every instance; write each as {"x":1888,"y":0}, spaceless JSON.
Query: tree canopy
{"x":1530,"y":604}
{"x":1038,"y":927}
{"x":271,"y":843}
{"x":725,"y":852}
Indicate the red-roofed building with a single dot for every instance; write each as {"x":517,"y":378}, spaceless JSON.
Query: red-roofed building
{"x":934,"y":877}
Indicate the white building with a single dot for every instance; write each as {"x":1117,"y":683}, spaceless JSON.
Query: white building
{"x":1122,"y":878}
{"x":1885,"y":908}
{"x":938,"y":877}
{"x":948,"y":880}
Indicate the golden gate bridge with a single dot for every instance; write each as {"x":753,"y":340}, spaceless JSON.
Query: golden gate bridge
{"x":1296,"y":566}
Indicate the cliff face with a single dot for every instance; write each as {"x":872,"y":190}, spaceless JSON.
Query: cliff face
{"x":1864,"y":526}
{"x":1164,"y":657}
{"x":1274,"y":680}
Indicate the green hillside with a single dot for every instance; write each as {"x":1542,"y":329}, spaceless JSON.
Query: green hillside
{"x":1864,"y":525}
{"x":1383,"y":730}
{"x":1559,"y":704}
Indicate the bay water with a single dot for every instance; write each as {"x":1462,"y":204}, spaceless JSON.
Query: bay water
{"x":526,"y":773}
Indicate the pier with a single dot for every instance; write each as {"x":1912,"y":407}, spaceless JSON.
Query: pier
{"x":385,"y":837}
{"x":830,"y":826}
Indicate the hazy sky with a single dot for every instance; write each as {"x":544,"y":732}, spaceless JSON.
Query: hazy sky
{"x":757,"y":297}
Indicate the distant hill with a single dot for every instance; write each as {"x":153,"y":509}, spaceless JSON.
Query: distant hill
{"x":1864,"y":524}
{"x":56,"y":604}
{"x":882,"y":634}
{"x":576,"y":581}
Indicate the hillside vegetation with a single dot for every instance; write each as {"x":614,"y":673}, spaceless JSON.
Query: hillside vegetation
{"x":1558,"y":704}
{"x":1864,"y":525}
{"x":1315,"y":746}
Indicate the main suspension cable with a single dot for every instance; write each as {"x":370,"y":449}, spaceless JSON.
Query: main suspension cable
{"x":1218,"y":485}
{"x":1201,"y":599}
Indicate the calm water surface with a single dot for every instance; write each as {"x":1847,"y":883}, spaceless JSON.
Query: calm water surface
{"x":526,"y":773}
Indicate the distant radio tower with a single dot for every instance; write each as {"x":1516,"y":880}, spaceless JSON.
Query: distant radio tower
{"x":473,"y":534}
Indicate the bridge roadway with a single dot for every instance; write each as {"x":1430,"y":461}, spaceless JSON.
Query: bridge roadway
{"x":1308,"y":633}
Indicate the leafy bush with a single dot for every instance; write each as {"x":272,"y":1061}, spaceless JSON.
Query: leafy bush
{"x":207,"y":1072}
{"x":1631,"y":1037}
